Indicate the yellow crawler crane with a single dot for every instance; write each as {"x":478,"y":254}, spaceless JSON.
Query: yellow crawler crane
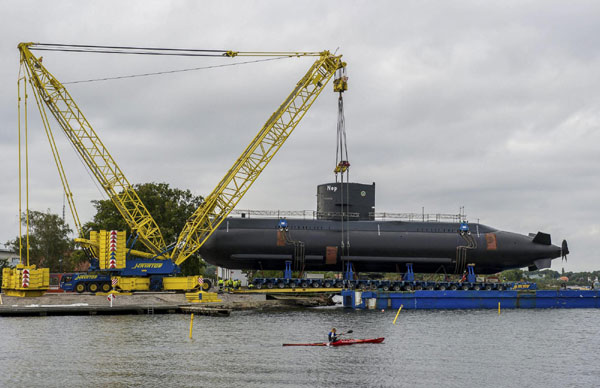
{"x":207,"y":218}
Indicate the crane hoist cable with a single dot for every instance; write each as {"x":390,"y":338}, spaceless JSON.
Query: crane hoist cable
{"x":172,"y":71}
{"x":342,"y":168}
{"x":132,"y":50}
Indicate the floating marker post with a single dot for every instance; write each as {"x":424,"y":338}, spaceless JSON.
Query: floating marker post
{"x":191,"y":324}
{"x":398,"y":313}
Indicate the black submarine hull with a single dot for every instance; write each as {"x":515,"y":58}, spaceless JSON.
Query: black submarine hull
{"x":374,"y":246}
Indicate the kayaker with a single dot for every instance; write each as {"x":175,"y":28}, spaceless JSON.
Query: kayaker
{"x":332,"y":336}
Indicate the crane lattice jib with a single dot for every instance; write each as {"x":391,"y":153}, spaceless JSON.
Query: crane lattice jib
{"x":94,"y":154}
{"x":255,"y":158}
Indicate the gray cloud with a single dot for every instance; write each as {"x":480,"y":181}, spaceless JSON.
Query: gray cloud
{"x":488,"y":106}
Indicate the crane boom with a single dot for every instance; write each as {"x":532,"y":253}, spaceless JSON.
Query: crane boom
{"x":93,"y":152}
{"x":230,"y":190}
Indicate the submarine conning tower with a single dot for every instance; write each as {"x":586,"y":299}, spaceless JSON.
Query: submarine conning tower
{"x":357,"y":199}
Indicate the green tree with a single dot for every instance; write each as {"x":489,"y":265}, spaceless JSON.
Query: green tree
{"x":170,"y":208}
{"x":513,"y":275}
{"x":50,"y":245}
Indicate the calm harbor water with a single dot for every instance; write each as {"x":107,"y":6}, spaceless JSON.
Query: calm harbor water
{"x":519,"y":348}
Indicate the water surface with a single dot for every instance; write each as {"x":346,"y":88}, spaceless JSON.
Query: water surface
{"x":464,"y":348}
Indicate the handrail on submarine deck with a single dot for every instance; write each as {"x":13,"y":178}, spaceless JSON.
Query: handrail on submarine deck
{"x":314,"y":215}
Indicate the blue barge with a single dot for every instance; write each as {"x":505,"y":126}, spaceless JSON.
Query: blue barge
{"x":511,"y":299}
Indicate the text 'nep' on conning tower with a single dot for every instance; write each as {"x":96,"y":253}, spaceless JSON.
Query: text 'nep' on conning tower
{"x":356,"y":199}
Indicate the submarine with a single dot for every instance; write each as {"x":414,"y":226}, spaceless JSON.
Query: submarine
{"x":345,"y":231}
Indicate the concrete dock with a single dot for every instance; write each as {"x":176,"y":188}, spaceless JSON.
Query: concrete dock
{"x":148,"y":303}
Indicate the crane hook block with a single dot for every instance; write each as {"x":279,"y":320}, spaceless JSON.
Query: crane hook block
{"x":340,"y":84}
{"x":342,"y":166}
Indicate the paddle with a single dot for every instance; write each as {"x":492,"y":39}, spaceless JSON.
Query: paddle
{"x":320,"y":343}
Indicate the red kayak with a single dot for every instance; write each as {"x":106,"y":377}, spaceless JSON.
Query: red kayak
{"x":343,"y":342}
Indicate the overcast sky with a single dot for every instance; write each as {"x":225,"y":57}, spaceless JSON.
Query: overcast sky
{"x":488,"y":105}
